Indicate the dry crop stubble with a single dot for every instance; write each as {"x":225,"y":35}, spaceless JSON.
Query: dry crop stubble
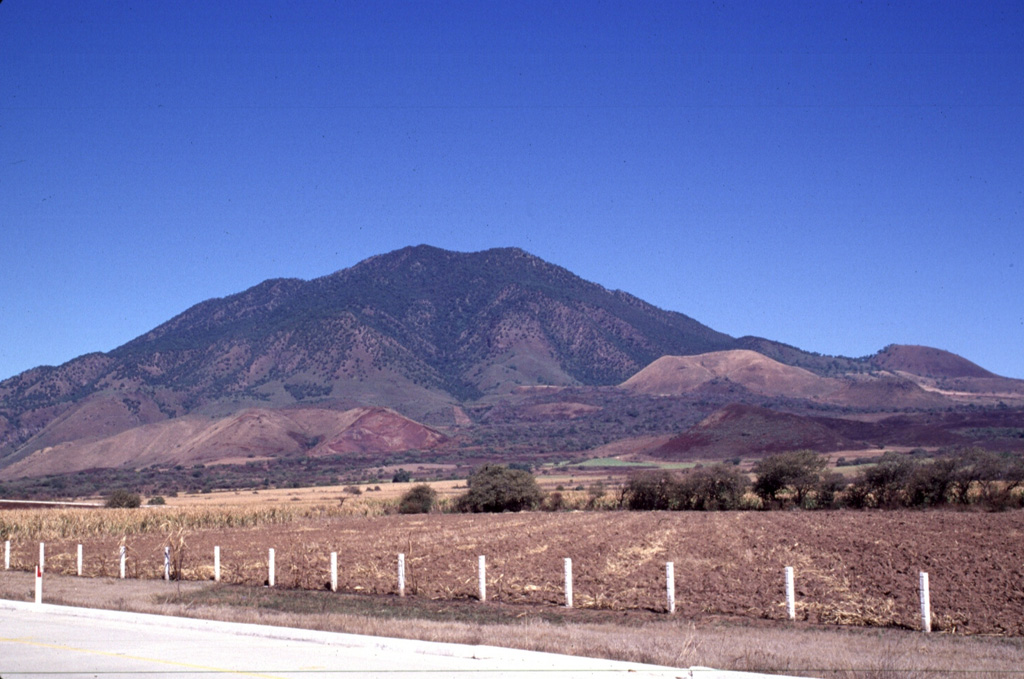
{"x":855,"y":568}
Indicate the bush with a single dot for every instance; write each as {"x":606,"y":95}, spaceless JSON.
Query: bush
{"x":496,"y":488}
{"x":401,"y":476}
{"x":712,"y":488}
{"x":124,"y":499}
{"x":420,"y":499}
{"x":798,"y":472}
{"x":650,"y":490}
{"x":703,"y":489}
{"x":157,"y":500}
{"x":887,"y":483}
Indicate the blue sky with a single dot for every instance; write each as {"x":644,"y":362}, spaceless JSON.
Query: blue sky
{"x":837,"y":176}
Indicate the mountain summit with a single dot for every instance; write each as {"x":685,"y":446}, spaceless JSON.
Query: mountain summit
{"x":418,"y":330}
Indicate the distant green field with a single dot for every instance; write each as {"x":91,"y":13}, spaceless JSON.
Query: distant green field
{"x":616,"y":462}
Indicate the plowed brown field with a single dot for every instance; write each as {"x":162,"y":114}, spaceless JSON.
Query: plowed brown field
{"x":857,"y":568}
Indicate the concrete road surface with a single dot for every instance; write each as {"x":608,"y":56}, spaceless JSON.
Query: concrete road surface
{"x":43,"y":640}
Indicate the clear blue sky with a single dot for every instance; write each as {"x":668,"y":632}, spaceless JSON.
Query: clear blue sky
{"x":837,"y":176}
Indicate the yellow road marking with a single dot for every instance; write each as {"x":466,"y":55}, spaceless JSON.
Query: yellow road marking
{"x":89,"y":651}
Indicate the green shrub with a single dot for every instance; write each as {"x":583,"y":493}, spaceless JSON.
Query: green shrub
{"x":420,"y":499}
{"x":157,"y":500}
{"x":122,"y":498}
{"x":650,"y":490}
{"x":712,"y":488}
{"x":798,"y":472}
{"x":496,"y":488}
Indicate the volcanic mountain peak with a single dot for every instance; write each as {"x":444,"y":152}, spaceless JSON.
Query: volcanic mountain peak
{"x":679,"y":374}
{"x":927,"y":362}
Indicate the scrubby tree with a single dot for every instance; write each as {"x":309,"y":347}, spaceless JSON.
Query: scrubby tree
{"x":124,"y":499}
{"x":932,"y":484}
{"x":798,"y":472}
{"x":711,"y":488}
{"x":886,"y":483}
{"x":496,"y":488}
{"x":998,"y":476}
{"x":650,"y":490}
{"x":420,"y":499}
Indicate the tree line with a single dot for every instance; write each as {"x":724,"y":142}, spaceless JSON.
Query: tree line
{"x":800,"y":479}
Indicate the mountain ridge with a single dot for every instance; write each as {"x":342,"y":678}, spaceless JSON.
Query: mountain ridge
{"x":422,"y":331}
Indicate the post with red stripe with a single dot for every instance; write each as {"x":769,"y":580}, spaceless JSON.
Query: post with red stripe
{"x":39,"y":584}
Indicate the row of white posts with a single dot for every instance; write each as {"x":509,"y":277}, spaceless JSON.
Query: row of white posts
{"x":670,"y":578}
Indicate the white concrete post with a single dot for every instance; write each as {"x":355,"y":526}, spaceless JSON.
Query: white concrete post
{"x":7,"y":555}
{"x":79,"y":560}
{"x":270,"y":567}
{"x":167,"y":563}
{"x":790,"y":594}
{"x":123,"y":556}
{"x":568,"y":583}
{"x":216,"y":563}
{"x":39,"y":585}
{"x":334,"y":571}
{"x":926,"y":604}
{"x":481,"y":576}
{"x":401,"y":575}
{"x":670,"y":586}
{"x":42,"y":558}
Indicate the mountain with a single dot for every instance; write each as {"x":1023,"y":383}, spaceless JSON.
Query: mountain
{"x":252,"y":434}
{"x":758,"y":374}
{"x":749,"y":369}
{"x":418,"y":330}
{"x":927,"y":362}
{"x":477,"y":354}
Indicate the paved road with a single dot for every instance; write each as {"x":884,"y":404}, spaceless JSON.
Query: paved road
{"x":59,"y":641}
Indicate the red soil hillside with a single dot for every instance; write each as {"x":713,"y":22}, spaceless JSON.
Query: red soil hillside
{"x":748,"y":431}
{"x":379,"y":430}
{"x":252,"y":433}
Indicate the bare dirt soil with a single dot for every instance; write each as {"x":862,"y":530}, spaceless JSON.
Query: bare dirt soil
{"x":852,"y":568}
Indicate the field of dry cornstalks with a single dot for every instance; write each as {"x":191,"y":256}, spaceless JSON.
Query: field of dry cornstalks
{"x":852,"y":568}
